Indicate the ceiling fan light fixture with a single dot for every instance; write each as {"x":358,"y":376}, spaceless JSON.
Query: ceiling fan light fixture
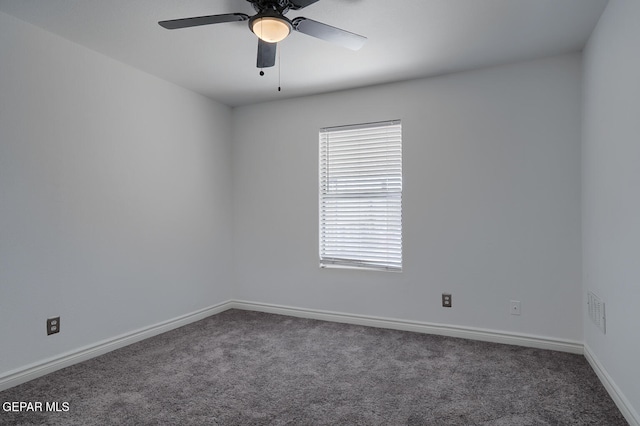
{"x":271,"y":29}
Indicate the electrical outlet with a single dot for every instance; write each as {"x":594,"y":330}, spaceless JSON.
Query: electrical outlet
{"x":446,"y":300}
{"x":514,"y":307}
{"x":53,"y":325}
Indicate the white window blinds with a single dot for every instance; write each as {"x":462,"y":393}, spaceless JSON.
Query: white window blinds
{"x":361,"y":196}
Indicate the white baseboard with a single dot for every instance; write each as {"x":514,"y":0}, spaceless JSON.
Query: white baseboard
{"x":616,"y":394}
{"x":415,"y":326}
{"x":30,"y":372}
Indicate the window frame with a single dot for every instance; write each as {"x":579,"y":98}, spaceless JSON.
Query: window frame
{"x":376,"y":244}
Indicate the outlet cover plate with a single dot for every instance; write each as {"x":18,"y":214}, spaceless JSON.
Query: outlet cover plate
{"x":514,"y":307}
{"x":446,"y":300}
{"x":53,"y":325}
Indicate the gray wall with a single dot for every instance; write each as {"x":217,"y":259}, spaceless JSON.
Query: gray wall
{"x":115,"y":202}
{"x":123,"y":202}
{"x":491,"y":205}
{"x":611,"y":188}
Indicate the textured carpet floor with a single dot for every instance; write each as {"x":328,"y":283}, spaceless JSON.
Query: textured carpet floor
{"x":248,"y":368}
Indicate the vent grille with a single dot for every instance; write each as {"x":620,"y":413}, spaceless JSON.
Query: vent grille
{"x":595,"y":308}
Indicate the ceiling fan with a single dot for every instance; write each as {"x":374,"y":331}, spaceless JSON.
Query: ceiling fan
{"x":271,"y":26}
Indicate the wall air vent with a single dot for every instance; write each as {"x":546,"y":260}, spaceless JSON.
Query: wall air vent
{"x":595,"y":307}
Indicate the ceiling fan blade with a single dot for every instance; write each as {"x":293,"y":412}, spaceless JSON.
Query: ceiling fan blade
{"x":266,"y":54}
{"x":299,"y":4}
{"x":328,"y":33}
{"x":203,"y":20}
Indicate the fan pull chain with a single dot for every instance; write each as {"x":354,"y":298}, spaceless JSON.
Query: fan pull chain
{"x":261,"y":22}
{"x":279,"y":68}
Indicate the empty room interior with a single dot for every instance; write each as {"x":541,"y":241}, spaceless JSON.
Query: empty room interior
{"x":167,"y":197}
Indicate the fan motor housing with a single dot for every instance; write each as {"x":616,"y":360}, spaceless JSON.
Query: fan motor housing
{"x":279,"y":6}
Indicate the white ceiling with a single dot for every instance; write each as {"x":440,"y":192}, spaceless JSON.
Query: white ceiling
{"x":406,"y":39}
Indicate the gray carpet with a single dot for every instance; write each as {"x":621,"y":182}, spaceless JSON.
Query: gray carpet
{"x":248,"y":368}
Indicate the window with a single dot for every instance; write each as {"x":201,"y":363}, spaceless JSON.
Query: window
{"x":361,"y":196}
